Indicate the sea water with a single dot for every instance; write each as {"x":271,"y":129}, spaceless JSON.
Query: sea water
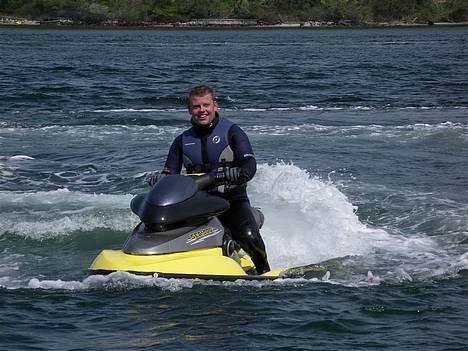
{"x":361,"y":143}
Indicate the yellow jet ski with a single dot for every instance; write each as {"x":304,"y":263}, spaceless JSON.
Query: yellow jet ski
{"x":180,"y":236}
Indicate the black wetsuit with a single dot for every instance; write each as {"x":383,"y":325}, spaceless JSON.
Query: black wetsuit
{"x":239,"y":218}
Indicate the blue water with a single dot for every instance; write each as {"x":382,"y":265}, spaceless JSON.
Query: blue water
{"x":361,"y":138}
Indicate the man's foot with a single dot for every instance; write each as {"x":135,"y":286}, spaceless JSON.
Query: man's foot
{"x":262,"y":267}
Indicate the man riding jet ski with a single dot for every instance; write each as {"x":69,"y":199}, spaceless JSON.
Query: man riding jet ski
{"x":187,"y":222}
{"x":214,"y":142}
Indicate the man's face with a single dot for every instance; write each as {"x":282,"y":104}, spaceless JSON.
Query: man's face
{"x":203,"y":109}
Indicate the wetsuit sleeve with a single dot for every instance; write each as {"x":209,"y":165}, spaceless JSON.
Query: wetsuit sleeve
{"x":243,"y":153}
{"x":173,"y":163}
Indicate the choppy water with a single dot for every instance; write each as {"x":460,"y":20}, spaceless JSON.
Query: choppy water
{"x":361,"y":138}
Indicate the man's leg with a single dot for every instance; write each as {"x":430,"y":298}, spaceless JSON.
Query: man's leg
{"x":244,"y":230}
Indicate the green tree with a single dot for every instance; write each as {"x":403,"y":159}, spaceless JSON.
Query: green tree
{"x":457,"y":10}
{"x":346,"y":9}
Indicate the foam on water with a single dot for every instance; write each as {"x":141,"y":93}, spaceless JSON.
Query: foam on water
{"x":20,"y":158}
{"x":113,"y":281}
{"x":88,"y":131}
{"x":308,"y":220}
{"x":147,"y":132}
{"x":402,"y":132}
{"x":47,"y":214}
{"x":144,"y":110}
{"x":285,"y":108}
{"x":129,"y":281}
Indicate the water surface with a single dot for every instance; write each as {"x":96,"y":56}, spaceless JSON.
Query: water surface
{"x":361,"y":140}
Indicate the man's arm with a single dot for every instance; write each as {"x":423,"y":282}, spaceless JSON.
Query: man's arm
{"x":173,"y":163}
{"x":243,"y":153}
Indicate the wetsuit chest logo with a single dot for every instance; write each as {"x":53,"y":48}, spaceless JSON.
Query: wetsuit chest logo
{"x":216,"y":139}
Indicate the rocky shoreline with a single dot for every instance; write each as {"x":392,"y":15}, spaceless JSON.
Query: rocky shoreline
{"x":214,"y":23}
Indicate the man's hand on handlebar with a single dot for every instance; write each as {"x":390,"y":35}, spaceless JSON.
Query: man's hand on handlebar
{"x":154,"y":177}
{"x":234,"y":175}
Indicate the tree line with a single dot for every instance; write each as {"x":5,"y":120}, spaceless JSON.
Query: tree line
{"x":265,"y":11}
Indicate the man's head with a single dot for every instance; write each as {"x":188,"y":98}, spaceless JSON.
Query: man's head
{"x":202,"y":105}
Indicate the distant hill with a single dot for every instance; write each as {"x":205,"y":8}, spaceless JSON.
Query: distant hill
{"x":264,"y":11}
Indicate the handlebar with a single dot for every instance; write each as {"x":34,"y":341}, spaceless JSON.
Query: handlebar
{"x":203,"y":181}
{"x":206,"y":181}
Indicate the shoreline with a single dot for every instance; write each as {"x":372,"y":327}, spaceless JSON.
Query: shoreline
{"x":233,"y":27}
{"x":206,"y":24}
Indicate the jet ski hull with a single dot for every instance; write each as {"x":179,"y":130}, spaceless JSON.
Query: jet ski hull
{"x":202,"y":264}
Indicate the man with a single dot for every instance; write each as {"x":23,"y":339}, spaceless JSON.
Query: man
{"x":210,"y":143}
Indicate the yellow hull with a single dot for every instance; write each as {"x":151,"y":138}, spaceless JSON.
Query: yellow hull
{"x":204,"y":264}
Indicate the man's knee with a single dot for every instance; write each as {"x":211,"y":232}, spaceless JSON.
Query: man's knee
{"x":249,"y":235}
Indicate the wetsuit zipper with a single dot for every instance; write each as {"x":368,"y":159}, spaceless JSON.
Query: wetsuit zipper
{"x":204,"y":149}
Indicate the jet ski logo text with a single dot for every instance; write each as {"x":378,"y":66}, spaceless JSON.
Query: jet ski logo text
{"x":201,"y":235}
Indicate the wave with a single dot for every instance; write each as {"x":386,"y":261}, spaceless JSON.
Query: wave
{"x":289,"y":108}
{"x":273,"y":129}
{"x":399,"y":133}
{"x":128,"y":281}
{"x":143,"y":114}
{"x":48,"y":214}
{"x":297,"y":208}
{"x":308,"y":221}
{"x":175,"y":116}
{"x":99,"y":131}
{"x":414,"y":212}
{"x":17,"y":158}
{"x":143,"y":110}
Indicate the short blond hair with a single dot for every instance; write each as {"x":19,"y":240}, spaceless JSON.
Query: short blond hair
{"x":200,"y":90}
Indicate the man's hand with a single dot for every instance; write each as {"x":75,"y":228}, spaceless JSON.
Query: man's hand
{"x":233,"y":175}
{"x":153,"y":177}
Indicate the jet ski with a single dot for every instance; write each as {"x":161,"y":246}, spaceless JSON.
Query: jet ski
{"x":180,"y":235}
